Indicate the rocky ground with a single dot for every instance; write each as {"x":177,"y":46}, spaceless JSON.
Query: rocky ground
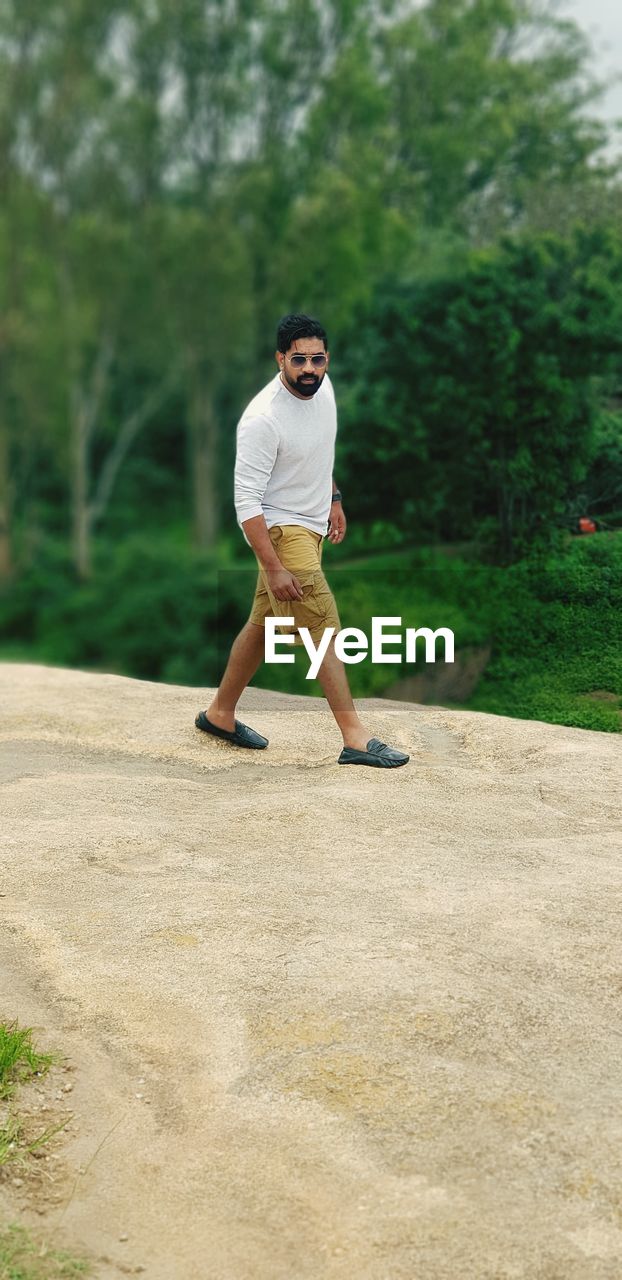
{"x":319,"y":1022}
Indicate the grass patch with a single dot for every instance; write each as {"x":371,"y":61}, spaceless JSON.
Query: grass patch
{"x":13,"y":1146}
{"x":19,"y":1063}
{"x":23,"y":1258}
{"x":19,"y":1060}
{"x":10,"y":1131}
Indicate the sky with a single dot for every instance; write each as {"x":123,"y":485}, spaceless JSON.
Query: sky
{"x":602,"y":22}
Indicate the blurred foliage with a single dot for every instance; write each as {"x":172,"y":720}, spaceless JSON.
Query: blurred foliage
{"x":554,"y":624}
{"x":471,"y":404}
{"x":429,"y":179}
{"x":150,"y":610}
{"x":158,"y":612}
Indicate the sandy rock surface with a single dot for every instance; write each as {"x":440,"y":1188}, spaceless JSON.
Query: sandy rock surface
{"x":322,"y":1022}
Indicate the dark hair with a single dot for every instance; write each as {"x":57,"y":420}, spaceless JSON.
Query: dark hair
{"x":293,"y":327}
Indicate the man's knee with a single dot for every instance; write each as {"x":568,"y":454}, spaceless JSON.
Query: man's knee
{"x":255,"y":629}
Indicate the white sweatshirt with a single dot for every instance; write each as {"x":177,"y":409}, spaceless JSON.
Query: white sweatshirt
{"x":284,"y":457}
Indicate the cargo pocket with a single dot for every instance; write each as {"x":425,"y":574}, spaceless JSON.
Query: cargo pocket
{"x":316,"y":610}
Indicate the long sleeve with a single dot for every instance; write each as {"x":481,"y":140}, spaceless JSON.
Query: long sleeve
{"x":256,"y":450}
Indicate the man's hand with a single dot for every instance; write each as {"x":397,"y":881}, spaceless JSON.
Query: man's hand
{"x":284,"y":585}
{"x":336,"y":523}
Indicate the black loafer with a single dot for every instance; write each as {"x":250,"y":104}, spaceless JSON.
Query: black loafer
{"x":241,"y":736}
{"x":378,"y":754}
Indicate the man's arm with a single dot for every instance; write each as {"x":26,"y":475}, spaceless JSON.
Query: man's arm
{"x":337,"y":521}
{"x":256,"y":451}
{"x":257,"y":446}
{"x":283,"y":584}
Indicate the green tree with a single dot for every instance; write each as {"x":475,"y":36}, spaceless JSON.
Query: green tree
{"x":475,"y":400}
{"x":486,"y":97}
{"x":202,"y":275}
{"x":184,"y":171}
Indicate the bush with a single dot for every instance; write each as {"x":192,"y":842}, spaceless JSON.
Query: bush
{"x":151,"y":610}
{"x":161,"y":612}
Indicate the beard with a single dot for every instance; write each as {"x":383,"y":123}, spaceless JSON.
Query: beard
{"x":306,"y":388}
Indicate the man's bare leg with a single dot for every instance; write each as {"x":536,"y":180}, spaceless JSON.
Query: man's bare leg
{"x":334,"y":681}
{"x":246,"y":655}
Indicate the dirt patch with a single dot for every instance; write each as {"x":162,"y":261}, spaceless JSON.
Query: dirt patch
{"x":38,"y":1187}
{"x":326,"y":1023}
{"x":602,"y":695}
{"x":444,"y":682}
{"x":40,"y":1178}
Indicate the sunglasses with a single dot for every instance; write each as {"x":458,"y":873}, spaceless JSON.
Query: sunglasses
{"x":299,"y":361}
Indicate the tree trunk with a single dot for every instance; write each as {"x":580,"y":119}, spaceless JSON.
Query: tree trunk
{"x":85,"y":407}
{"x":79,"y":488}
{"x":129,"y":429}
{"x":204,"y":460}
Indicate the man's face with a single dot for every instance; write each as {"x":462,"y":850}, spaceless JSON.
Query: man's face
{"x":304,"y":378}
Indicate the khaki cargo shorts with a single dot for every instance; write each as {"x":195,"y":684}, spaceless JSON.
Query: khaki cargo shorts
{"x":300,"y":551}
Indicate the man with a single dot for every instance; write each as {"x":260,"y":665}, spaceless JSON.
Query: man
{"x":286,"y":503}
